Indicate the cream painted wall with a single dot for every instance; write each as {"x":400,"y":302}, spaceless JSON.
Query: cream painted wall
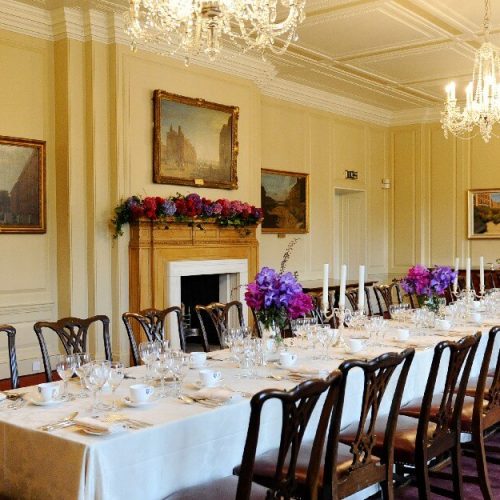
{"x":428,"y":208}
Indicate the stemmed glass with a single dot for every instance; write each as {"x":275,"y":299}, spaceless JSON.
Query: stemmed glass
{"x":164,"y":363}
{"x":96,"y":375}
{"x":116,"y":375}
{"x":81,"y":364}
{"x":148,"y":351}
{"x":179,"y":366}
{"x":66,"y":365}
{"x":323,"y":335}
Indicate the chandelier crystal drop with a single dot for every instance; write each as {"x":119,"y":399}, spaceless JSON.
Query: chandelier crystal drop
{"x":482,"y":106}
{"x":196,"y":26}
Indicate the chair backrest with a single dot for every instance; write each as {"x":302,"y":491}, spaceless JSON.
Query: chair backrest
{"x":11,"y":339}
{"x":217,"y":315}
{"x":492,"y":410}
{"x":352,"y":297}
{"x":447,"y":418}
{"x":386,"y":296}
{"x":152,"y":323}
{"x":73,"y":333}
{"x":376,"y":376}
{"x":297,"y":407}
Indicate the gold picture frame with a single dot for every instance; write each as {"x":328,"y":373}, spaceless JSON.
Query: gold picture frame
{"x":195,"y":142}
{"x":285,"y":201}
{"x":483,"y":221}
{"x":22,"y":185}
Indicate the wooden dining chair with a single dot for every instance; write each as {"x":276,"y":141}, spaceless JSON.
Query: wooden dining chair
{"x":481,"y":414}
{"x":73,"y":333}
{"x":352,"y":296}
{"x":348,"y":468}
{"x":10,"y":331}
{"x":386,"y":296}
{"x":152,"y":323}
{"x":428,"y":428}
{"x":297,"y":406}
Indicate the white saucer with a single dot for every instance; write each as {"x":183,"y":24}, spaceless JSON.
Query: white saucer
{"x":126,"y":400}
{"x":40,"y":402}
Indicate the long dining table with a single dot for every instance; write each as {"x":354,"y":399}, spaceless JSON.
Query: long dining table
{"x":187,"y":442}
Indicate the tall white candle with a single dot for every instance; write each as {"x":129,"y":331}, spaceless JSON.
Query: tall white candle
{"x":481,"y":273}
{"x":343,"y":282}
{"x":455,"y":281}
{"x":325,"y":287}
{"x":361,"y":288}
{"x":467,"y":274}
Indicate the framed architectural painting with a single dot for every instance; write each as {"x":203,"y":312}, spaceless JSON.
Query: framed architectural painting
{"x":195,"y":142}
{"x":285,"y":201}
{"x":484,"y":213}
{"x":22,"y":185}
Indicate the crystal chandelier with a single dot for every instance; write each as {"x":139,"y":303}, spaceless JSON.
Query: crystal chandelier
{"x":198,"y":26}
{"x":482,"y":106}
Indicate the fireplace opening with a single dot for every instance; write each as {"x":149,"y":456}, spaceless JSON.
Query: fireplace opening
{"x":200,"y":289}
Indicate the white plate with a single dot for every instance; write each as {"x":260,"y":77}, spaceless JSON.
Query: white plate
{"x":133,"y":404}
{"x":40,"y":402}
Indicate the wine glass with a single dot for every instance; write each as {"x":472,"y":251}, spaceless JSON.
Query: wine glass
{"x":116,"y":375}
{"x":163,"y":365}
{"x":179,"y":365}
{"x":96,"y":375}
{"x":148,"y":351}
{"x":81,"y":363}
{"x":66,"y":365}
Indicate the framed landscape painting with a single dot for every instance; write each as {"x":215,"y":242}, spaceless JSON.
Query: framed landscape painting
{"x":22,"y":185}
{"x":195,"y":142}
{"x":484,"y":213}
{"x":285,"y":201}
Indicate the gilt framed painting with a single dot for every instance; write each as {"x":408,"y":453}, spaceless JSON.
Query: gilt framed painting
{"x":285,"y":201}
{"x":484,"y":213}
{"x":195,"y":142}
{"x":22,"y":185}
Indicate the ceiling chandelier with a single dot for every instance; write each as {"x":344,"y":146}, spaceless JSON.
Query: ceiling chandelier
{"x":196,"y":26}
{"x":482,"y":106}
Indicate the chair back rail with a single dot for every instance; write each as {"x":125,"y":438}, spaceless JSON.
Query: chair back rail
{"x":11,"y":342}
{"x":73,"y":333}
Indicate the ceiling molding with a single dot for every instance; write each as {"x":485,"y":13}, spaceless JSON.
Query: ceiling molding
{"x":420,"y":115}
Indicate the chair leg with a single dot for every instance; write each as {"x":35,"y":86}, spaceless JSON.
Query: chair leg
{"x":481,"y":464}
{"x":422,"y":477}
{"x":456,"y":471}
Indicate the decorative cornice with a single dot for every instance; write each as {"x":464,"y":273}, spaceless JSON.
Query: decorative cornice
{"x":106,"y":26}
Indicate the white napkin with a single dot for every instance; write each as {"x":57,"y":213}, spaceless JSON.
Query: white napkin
{"x":98,"y":426}
{"x":308,"y":372}
{"x":215,"y":393}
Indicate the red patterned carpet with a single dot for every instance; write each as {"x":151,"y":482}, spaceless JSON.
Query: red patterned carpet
{"x":471,"y":491}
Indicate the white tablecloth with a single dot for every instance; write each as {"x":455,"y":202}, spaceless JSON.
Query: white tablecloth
{"x":186,"y":445}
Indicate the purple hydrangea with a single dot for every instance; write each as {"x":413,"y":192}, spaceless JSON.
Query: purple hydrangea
{"x":423,"y":281}
{"x":168,"y":208}
{"x":441,"y":277}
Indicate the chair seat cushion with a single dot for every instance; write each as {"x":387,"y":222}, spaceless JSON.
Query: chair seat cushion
{"x":219,"y":489}
{"x":404,"y":437}
{"x":265,"y":464}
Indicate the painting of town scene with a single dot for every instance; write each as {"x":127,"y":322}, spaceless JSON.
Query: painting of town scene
{"x":484,"y":213}
{"x":284,"y":201}
{"x":195,"y":142}
{"x":22,"y":197}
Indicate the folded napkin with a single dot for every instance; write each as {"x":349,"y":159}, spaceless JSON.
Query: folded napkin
{"x":308,"y":372}
{"x":98,"y":426}
{"x":214,"y":393}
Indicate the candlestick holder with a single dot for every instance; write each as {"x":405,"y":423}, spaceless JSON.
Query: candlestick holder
{"x":343,"y":315}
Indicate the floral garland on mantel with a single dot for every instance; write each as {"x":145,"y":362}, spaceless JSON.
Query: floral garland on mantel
{"x":191,"y":209}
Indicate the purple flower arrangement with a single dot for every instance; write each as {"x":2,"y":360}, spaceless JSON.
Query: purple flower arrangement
{"x":277,"y":297}
{"x":428,"y":284}
{"x":188,"y":208}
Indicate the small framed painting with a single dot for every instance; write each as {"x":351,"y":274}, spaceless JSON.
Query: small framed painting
{"x":285,"y":201}
{"x":195,"y":142}
{"x":22,"y":185}
{"x":484,"y":213}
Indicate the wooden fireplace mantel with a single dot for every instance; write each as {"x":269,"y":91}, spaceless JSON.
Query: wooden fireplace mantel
{"x":153,"y":245}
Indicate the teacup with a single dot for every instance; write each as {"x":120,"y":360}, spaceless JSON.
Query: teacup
{"x":140,"y":393}
{"x":402,"y":334}
{"x":443,"y":324}
{"x":48,"y":391}
{"x":354,"y":345}
{"x":476,"y":318}
{"x":198,"y":359}
{"x":287,"y":359}
{"x":210,"y":378}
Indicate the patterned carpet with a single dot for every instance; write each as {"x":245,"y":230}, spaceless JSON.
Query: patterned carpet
{"x":471,"y":491}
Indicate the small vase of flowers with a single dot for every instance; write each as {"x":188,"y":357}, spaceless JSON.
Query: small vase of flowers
{"x":429,"y":285}
{"x":275,"y":298}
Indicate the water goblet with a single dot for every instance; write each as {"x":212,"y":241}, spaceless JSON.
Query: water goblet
{"x":247,"y":358}
{"x":96,"y":375}
{"x":179,"y":366}
{"x":66,"y":365}
{"x":323,"y":337}
{"x":116,"y":375}
{"x":82,"y":361}
{"x":148,"y":351}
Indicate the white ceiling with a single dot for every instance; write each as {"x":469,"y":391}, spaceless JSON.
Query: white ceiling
{"x":394,"y":54}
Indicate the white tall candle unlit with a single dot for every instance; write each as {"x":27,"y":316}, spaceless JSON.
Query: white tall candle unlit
{"x":455,"y":281}
{"x":325,"y":287}
{"x":481,"y":273}
{"x":467,"y":274}
{"x":361,"y":288}
{"x":343,"y":282}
